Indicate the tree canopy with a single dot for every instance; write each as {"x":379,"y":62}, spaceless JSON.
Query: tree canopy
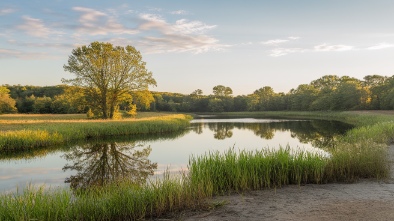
{"x":7,"y":104}
{"x":107,"y":73}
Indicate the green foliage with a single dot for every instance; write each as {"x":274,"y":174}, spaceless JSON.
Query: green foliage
{"x":215,"y":105}
{"x":90,"y":114}
{"x":42,"y":105}
{"x":107,"y":73}
{"x":7,"y":104}
{"x":142,"y":99}
{"x":71,"y":101}
{"x":221,"y":91}
{"x":132,"y":111}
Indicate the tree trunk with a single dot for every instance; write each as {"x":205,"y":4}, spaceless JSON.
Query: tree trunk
{"x":112,"y":107}
{"x":104,"y":105}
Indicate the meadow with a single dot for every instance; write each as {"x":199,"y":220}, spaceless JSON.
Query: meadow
{"x":360,"y":153}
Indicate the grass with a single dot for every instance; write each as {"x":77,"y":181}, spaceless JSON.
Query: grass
{"x":117,"y":201}
{"x":34,"y":132}
{"x":232,"y":171}
{"x":361,"y":153}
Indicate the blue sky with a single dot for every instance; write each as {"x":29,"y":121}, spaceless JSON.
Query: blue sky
{"x":198,"y":44}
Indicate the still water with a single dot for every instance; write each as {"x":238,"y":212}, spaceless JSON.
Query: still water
{"x":99,"y":161}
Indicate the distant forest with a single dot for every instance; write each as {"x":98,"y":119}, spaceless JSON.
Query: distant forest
{"x":329,"y":92}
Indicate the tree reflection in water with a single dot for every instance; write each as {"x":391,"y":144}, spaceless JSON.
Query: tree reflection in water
{"x":100,"y":163}
{"x":221,"y":130}
{"x":318,"y":133}
{"x":198,"y":128}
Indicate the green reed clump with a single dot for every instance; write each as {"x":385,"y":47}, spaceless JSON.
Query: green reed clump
{"x":219,"y":173}
{"x":117,"y":201}
{"x":353,"y":161}
{"x":35,"y":204}
{"x":381,"y":132}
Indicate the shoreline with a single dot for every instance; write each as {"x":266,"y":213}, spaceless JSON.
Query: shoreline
{"x":364,"y":200}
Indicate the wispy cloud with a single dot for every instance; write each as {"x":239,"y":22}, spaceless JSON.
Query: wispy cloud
{"x":274,"y":42}
{"x":7,"y":53}
{"x":49,"y":44}
{"x":277,"y":52}
{"x":4,"y":53}
{"x":34,"y":27}
{"x":152,"y":9}
{"x":191,"y":27}
{"x":94,"y":22}
{"x":6,"y":11}
{"x":326,"y":47}
{"x":381,"y":46}
{"x":182,"y":36}
{"x":179,"y":12}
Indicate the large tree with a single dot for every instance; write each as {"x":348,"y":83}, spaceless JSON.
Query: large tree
{"x":107,"y":73}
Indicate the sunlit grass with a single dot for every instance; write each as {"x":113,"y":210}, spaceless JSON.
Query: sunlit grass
{"x":19,"y":135}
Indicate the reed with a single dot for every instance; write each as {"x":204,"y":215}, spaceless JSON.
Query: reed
{"x":237,"y":171}
{"x":117,"y":201}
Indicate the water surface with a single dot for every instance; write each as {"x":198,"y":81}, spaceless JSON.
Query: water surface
{"x":96,"y":162}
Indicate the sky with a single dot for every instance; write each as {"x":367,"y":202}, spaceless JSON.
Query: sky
{"x":198,"y":44}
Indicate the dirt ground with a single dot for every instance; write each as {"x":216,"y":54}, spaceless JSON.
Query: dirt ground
{"x":365,"y":200}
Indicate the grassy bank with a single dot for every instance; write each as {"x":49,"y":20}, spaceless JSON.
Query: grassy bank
{"x":27,"y":132}
{"x":361,"y":153}
{"x":118,"y":201}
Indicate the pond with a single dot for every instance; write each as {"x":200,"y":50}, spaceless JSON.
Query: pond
{"x":96,"y":162}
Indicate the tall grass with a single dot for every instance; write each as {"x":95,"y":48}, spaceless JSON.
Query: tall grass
{"x":353,"y":161}
{"x":49,"y":133}
{"x":232,"y":171}
{"x":117,"y":201}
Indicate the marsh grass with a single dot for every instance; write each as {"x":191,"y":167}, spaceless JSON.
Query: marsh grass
{"x":46,"y":133}
{"x":218,"y":173}
{"x":353,"y":161}
{"x":117,"y":201}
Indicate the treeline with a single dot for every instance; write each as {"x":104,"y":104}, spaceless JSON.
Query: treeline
{"x":330,"y":92}
{"x":59,"y":99}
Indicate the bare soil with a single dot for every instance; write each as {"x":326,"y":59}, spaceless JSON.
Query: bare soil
{"x":364,"y":200}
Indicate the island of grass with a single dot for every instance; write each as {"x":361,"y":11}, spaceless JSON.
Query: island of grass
{"x":21,"y":132}
{"x":360,"y":153}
